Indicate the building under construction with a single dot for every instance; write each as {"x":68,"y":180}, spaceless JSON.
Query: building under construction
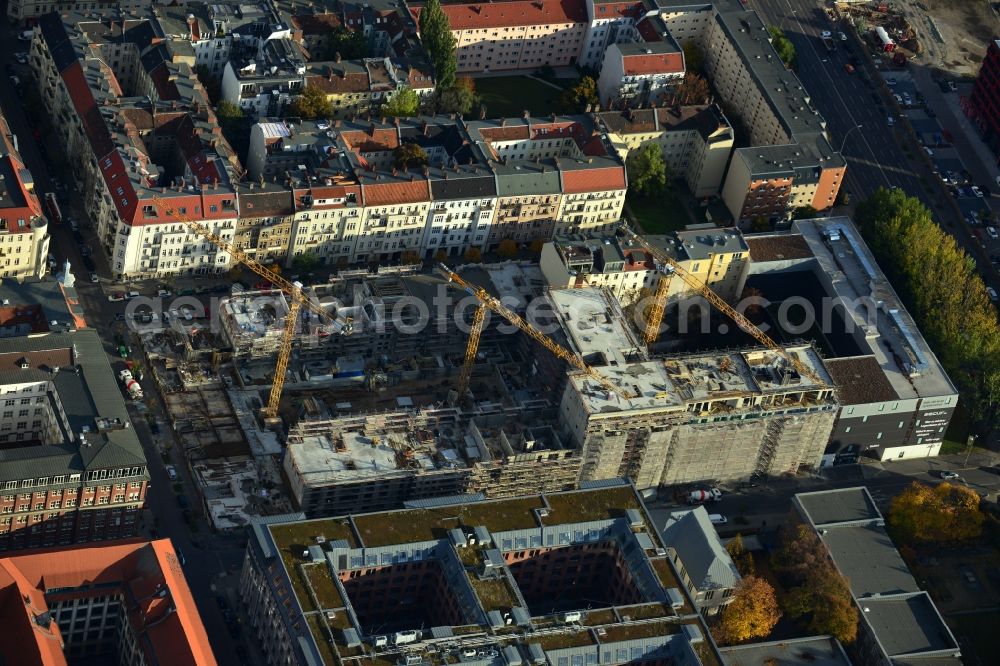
{"x":378,"y":461}
{"x":692,"y":417}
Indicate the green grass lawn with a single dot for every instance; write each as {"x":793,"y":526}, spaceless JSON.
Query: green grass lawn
{"x":660,"y":215}
{"x":509,"y":96}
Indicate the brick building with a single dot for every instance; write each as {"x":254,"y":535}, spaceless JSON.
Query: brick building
{"x":984,"y":102}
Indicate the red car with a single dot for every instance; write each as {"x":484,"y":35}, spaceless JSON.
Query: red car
{"x":849,"y":68}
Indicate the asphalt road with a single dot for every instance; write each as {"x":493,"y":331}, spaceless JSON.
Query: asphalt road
{"x":874,"y":153}
{"x":768,"y":504}
{"x":211,"y":561}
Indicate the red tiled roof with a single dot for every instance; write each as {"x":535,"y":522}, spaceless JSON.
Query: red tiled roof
{"x":593,"y":180}
{"x":337,"y":84}
{"x":609,"y":10}
{"x":653,"y":63}
{"x":165,"y":88}
{"x":140,"y":567}
{"x":371,"y":142}
{"x":519,"y":133}
{"x":316,"y":24}
{"x":201,"y":167}
{"x":516,"y":13}
{"x":398,"y":192}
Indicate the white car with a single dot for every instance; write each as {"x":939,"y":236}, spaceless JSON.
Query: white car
{"x":992,"y":293}
{"x":842,"y":36}
{"x":928,"y":151}
{"x":94,"y":278}
{"x":891,"y":82}
{"x":976,"y":191}
{"x":949,"y":475}
{"x":825,"y":34}
{"x":718,"y":519}
{"x":992,"y":232}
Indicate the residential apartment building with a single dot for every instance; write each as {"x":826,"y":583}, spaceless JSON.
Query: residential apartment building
{"x":703,"y":563}
{"x":586,"y":564}
{"x":983,"y":106}
{"x":898,"y":621}
{"x":24,"y":228}
{"x":143,"y":163}
{"x":896,"y":399}
{"x":696,"y":141}
{"x":262,"y":82}
{"x":387,"y":25}
{"x":484,"y":182}
{"x":124,"y":602}
{"x":72,"y":469}
{"x":790,"y":163}
{"x":608,"y":22}
{"x":718,"y":258}
{"x":516,"y":34}
{"x":25,"y":13}
{"x":639,"y":73}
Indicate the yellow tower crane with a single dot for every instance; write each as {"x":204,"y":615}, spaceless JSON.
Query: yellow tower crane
{"x":655,"y":313}
{"x":716,"y":300}
{"x":494,"y":304}
{"x":293,"y":289}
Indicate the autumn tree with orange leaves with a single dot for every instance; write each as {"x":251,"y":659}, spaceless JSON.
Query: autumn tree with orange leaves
{"x":752,"y":613}
{"x":946,"y":512}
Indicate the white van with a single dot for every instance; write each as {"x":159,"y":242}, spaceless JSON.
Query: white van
{"x":718,"y":519}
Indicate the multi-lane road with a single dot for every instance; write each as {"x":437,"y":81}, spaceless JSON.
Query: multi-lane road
{"x":866,"y":124}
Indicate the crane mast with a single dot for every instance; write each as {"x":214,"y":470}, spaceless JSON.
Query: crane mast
{"x":495,"y":305}
{"x":294,"y":290}
{"x":738,"y":318}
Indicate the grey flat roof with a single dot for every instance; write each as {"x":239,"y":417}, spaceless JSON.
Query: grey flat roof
{"x":908,"y":625}
{"x":869,"y":560}
{"x":815,"y":651}
{"x":838,"y":506}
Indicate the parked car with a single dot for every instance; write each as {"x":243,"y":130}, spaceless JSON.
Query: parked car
{"x":976,"y":191}
{"x":948,"y":475}
{"x":182,"y":501}
{"x":172,"y":473}
{"x":826,"y":34}
{"x":992,"y":232}
{"x":842,"y":36}
{"x":992,"y":293}
{"x":889,"y":121}
{"x":928,"y":151}
{"x":849,"y":68}
{"x":21,"y":57}
{"x":89,"y":264}
{"x":94,"y":278}
{"x":891,"y":81}
{"x":718,"y":519}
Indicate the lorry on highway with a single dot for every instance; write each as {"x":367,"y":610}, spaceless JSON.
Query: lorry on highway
{"x":130,"y":384}
{"x":703,"y":496}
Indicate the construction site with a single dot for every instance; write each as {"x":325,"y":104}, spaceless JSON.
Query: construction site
{"x":400,"y":386}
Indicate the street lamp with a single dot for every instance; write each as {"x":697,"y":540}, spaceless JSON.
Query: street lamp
{"x":844,"y":142}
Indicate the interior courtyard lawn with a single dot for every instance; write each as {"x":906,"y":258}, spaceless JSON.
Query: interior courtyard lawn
{"x":509,"y":96}
{"x":658,"y":215}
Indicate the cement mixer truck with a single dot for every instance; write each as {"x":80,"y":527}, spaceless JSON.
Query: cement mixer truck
{"x":130,"y":384}
{"x":703,"y":496}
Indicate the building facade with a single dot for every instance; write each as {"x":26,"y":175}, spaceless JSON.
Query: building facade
{"x":329,"y":587}
{"x":984,"y":102}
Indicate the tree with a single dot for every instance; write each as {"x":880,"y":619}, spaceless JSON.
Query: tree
{"x":306,"y":262}
{"x":804,"y":213}
{"x":741,"y":556}
{"x":752,"y":613}
{"x":576,"y":99}
{"x":941,"y":288}
{"x":507,"y":248}
{"x":945,"y":512}
{"x":784,"y":47}
{"x":692,"y":90}
{"x":760,"y":224}
{"x":460,"y":98}
{"x":311,"y":104}
{"x":694,"y":59}
{"x":408,"y":155}
{"x":404,"y":104}
{"x":410,"y":257}
{"x":816,"y":590}
{"x":473,"y":255}
{"x":437,"y":38}
{"x":536,"y":246}
{"x":648,"y":171}
{"x":440,"y":256}
{"x":235,"y":126}
{"x":347,"y":44}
